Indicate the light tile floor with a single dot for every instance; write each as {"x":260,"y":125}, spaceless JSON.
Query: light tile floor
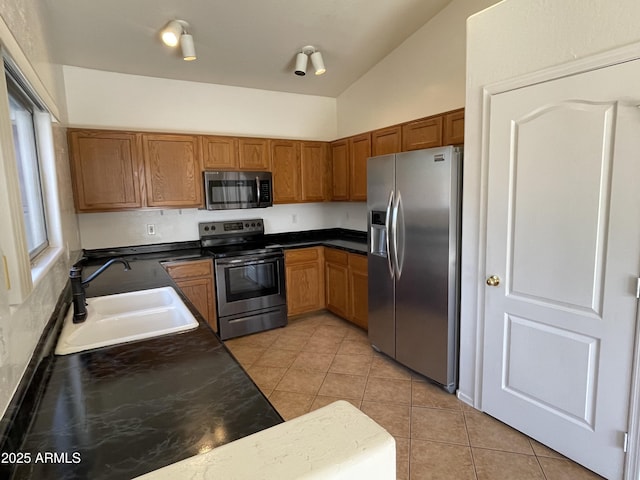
{"x":320,"y":358}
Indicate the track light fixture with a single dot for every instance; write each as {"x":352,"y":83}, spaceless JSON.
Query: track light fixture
{"x":302,"y":59}
{"x":176,"y":31}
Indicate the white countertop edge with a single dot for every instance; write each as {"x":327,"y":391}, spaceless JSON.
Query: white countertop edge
{"x":334,"y":442}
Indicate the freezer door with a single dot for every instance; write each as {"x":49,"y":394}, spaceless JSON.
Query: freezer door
{"x":380,"y":182}
{"x":426,"y":291}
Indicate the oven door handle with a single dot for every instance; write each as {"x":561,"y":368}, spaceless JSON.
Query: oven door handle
{"x":248,"y":260}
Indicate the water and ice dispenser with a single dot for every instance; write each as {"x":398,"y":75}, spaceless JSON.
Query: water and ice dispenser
{"x":378,"y":233}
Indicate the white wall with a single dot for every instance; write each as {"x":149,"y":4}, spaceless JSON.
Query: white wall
{"x":115,"y":100}
{"x":106,"y":230}
{"x":423,"y":76}
{"x":23,"y":34}
{"x":510,"y":39}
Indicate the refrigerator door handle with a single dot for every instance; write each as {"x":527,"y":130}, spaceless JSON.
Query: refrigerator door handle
{"x":398,"y":237}
{"x":398,"y":260}
{"x":388,"y":233}
{"x":394,"y":236}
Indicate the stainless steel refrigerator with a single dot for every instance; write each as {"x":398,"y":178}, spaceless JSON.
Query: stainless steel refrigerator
{"x":413,"y":205}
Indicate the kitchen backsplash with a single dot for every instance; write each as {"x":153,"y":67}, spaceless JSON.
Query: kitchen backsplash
{"x":117,"y":229}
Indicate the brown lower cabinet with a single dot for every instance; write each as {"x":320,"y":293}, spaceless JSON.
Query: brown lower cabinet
{"x":305,"y":280}
{"x":328,"y":278}
{"x":195,"y":279}
{"x":347,"y":285}
{"x":358,"y":290}
{"x":336,"y":269}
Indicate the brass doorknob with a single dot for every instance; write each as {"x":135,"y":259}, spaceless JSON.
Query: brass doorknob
{"x":493,"y":281}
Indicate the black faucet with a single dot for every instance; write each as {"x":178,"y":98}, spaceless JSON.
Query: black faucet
{"x":78,"y":286}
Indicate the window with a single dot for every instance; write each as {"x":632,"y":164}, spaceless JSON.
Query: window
{"x":21,"y":109}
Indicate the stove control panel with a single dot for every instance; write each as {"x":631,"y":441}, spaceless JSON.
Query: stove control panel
{"x":254,"y":226}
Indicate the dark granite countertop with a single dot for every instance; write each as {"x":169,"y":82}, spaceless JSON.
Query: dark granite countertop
{"x":133,"y":408}
{"x":119,"y":412}
{"x":349,"y":240}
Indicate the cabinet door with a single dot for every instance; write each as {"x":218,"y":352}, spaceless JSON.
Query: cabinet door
{"x":358,"y":289}
{"x":285,"y":165}
{"x":305,"y":280}
{"x":195,"y":279}
{"x":337,"y":289}
{"x":425,"y":133}
{"x":340,"y":170}
{"x":453,"y":128}
{"x":314,"y":167}
{"x":359,"y":151}
{"x":172,"y":170}
{"x":386,"y":141}
{"x":253,"y":154}
{"x":219,"y":153}
{"x":106,"y":169}
{"x":337,"y":281}
{"x":199,"y":291}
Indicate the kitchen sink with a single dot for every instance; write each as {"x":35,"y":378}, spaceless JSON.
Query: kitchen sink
{"x":125,"y":317}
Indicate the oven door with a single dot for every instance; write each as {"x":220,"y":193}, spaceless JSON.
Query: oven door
{"x":249,"y":283}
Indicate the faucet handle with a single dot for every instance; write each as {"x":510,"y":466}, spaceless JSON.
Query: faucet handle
{"x":75,"y":272}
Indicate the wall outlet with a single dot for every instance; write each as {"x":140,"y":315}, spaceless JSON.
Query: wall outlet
{"x":151,"y":229}
{"x":294,"y":218}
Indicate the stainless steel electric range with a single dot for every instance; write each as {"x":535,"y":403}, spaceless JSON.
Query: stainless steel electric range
{"x":249,"y":277}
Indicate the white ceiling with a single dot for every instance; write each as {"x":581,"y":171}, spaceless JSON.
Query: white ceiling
{"x":248,"y":43}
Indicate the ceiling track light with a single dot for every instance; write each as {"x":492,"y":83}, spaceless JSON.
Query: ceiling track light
{"x":318,"y":63}
{"x":302,"y":59}
{"x":176,"y":32}
{"x":301,"y":64}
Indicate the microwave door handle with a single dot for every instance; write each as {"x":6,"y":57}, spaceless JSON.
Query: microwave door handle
{"x":258,"y":188}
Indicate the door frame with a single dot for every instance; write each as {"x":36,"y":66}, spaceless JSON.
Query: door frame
{"x":594,"y":62}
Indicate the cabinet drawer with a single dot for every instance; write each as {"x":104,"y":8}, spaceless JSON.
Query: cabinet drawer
{"x":358,"y":262}
{"x":301,"y":255}
{"x":333,"y":255}
{"x":190,"y":269}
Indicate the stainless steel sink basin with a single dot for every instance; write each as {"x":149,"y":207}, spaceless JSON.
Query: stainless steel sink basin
{"x":125,"y":317}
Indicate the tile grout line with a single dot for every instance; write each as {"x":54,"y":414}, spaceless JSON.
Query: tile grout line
{"x":473,"y":458}
{"x":410,"y":427}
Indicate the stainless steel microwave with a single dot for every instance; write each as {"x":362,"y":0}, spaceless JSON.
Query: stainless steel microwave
{"x":228,"y":190}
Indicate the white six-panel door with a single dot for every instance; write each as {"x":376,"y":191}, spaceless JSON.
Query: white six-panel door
{"x":563,"y":240}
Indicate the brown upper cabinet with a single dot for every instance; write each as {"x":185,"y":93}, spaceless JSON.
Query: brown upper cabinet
{"x":453,"y":128}
{"x":285,"y":166}
{"x":340,"y":170}
{"x":172,"y":170}
{"x":219,"y":153}
{"x":106,"y":169}
{"x":314,"y":165}
{"x":300,"y":171}
{"x":118,"y":170}
{"x":386,"y":141}
{"x":359,"y":151}
{"x":349,"y":167}
{"x":253,"y":154}
{"x":426,"y":133}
